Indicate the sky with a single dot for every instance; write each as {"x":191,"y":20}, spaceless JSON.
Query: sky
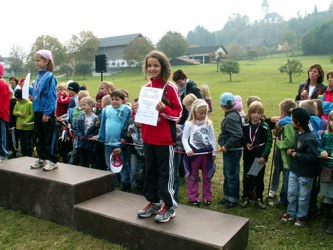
{"x":24,"y":20}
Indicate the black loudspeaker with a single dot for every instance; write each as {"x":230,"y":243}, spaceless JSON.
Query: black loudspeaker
{"x":100,"y":63}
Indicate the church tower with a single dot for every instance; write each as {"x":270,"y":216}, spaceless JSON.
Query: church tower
{"x":264,"y":9}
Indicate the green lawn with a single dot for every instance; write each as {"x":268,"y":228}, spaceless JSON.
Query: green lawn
{"x":259,"y":77}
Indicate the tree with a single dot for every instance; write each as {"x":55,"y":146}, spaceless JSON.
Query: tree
{"x":173,"y":44}
{"x":229,"y":67}
{"x":50,"y":43}
{"x":18,"y":56}
{"x":66,"y":69}
{"x":235,"y":51}
{"x":137,"y":50}
{"x":286,"y":47}
{"x":292,"y":67}
{"x":82,"y":47}
{"x":252,"y":53}
{"x":83,"y":68}
{"x":217,"y":57}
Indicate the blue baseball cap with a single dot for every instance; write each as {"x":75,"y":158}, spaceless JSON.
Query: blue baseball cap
{"x":227,"y":99}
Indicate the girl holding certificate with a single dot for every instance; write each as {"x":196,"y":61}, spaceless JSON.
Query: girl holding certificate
{"x":159,"y":141}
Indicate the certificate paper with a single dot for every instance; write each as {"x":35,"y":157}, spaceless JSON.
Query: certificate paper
{"x":25,"y":89}
{"x":148,"y":99}
{"x":255,"y":168}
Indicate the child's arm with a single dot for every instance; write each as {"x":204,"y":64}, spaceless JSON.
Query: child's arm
{"x":268,"y":145}
{"x":288,"y":138}
{"x":186,"y":138}
{"x":322,"y":149}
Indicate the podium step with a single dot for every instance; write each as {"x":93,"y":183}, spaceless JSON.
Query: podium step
{"x":112,"y":216}
{"x":50,"y":195}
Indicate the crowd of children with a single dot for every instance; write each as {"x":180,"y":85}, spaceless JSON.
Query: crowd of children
{"x":64,"y":123}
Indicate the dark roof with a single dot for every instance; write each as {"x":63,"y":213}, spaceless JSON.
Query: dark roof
{"x":257,"y":43}
{"x":204,"y":50}
{"x":117,"y":40}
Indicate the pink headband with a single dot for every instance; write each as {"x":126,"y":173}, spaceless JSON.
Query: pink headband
{"x":45,"y":53}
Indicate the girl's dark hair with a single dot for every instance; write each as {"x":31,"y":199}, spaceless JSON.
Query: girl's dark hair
{"x":321,"y":72}
{"x":118,"y":93}
{"x":329,"y":73}
{"x":165,"y":65}
{"x":165,"y":70}
{"x":178,"y":75}
{"x":14,"y":78}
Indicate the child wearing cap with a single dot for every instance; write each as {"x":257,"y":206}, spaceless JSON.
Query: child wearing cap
{"x":24,"y":122}
{"x":73,"y":90}
{"x":303,"y":168}
{"x":230,"y":142}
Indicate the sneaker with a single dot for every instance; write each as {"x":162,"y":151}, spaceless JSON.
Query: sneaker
{"x":38,"y":164}
{"x":3,"y":158}
{"x":260,"y":204}
{"x":50,"y":166}
{"x":271,"y":194}
{"x":222,"y":201}
{"x":165,"y":214}
{"x":286,"y":218}
{"x":195,"y":203}
{"x":207,"y":203}
{"x":276,"y":203}
{"x":150,"y":209}
{"x":245,"y":203}
{"x":230,"y":205}
{"x":300,"y":222}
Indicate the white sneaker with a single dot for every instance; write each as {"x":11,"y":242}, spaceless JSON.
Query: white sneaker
{"x":271,"y":194}
{"x":50,"y":166}
{"x":38,"y":164}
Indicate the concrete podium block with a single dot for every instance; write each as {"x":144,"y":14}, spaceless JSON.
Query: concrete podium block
{"x":113,"y":217}
{"x":50,"y":195}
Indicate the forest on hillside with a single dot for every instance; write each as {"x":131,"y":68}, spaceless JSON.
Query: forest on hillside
{"x":312,"y":34}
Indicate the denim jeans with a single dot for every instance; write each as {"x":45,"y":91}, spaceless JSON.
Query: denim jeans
{"x":231,"y":167}
{"x":125,"y":176}
{"x":284,"y":189}
{"x":3,"y":137}
{"x":299,"y":193}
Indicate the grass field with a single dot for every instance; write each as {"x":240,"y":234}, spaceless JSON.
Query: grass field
{"x":259,"y":77}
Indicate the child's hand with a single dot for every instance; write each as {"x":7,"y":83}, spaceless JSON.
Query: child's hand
{"x":291,"y":152}
{"x":117,"y":151}
{"x":97,"y":124}
{"x":94,"y":138}
{"x":262,"y":160}
{"x":190,"y":153}
{"x":324,"y":155}
{"x":275,"y":119}
{"x":223,"y":149}
{"x":22,"y":115}
{"x":23,"y":124}
{"x":249,"y":146}
{"x":160,"y":106}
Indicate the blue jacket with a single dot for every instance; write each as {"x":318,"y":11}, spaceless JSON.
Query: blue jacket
{"x":82,"y":137}
{"x":44,"y":95}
